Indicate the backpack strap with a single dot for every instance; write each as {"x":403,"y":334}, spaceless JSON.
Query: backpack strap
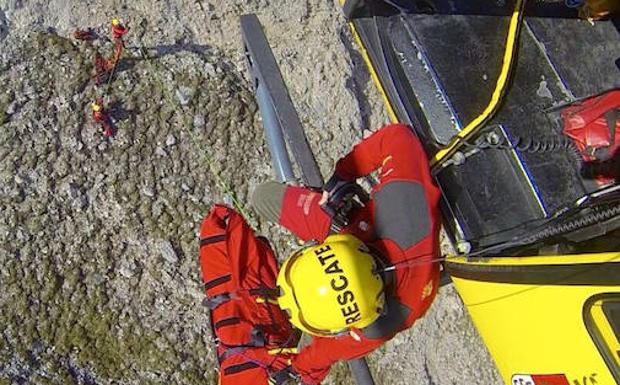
{"x":212,"y":239}
{"x":229,"y":353}
{"x":226,"y":322}
{"x":265,"y":292}
{"x":215,"y":301}
{"x":218,"y":281}
{"x":240,"y":367}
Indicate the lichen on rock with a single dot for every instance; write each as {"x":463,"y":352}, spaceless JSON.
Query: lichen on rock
{"x":98,"y":247}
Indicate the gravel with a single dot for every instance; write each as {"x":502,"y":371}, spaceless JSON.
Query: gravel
{"x":99,"y":281}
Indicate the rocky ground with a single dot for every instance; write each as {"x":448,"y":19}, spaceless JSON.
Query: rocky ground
{"x":99,"y":280}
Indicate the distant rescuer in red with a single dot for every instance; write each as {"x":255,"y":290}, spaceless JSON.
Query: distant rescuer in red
{"x":100,"y":116}
{"x":118,"y":30}
{"x":357,"y":289}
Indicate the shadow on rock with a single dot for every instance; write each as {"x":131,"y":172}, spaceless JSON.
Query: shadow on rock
{"x":4,"y":25}
{"x":119,"y":113}
{"x":158,"y":52}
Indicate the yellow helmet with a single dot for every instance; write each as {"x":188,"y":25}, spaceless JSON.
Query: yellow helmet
{"x":116,"y":22}
{"x":331,"y":287}
{"x":96,"y":107}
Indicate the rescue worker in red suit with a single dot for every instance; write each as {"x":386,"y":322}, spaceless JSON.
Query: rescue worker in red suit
{"x":398,"y":227}
{"x":101,"y":116}
{"x":118,"y":30}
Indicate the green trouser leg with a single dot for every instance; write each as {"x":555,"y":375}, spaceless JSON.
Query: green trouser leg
{"x":267,"y":200}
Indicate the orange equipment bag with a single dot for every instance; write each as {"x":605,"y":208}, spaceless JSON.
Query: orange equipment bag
{"x":239,"y":271}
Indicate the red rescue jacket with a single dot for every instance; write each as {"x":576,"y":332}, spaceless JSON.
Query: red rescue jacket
{"x":401,"y":221}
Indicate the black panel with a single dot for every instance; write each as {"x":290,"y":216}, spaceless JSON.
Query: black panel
{"x":369,"y":29}
{"x":426,"y":100}
{"x":586,"y":56}
{"x":612,"y":312}
{"x":488,"y":194}
{"x":534,"y":89}
{"x":464,"y":52}
{"x":496,"y":193}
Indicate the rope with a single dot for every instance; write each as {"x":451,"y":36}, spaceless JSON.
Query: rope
{"x":415,"y":261}
{"x":220,"y":182}
{"x":542,"y":144}
{"x":116,"y":61}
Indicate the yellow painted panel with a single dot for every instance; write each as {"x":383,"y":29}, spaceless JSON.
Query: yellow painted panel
{"x":605,"y":329}
{"x":539,"y":260}
{"x":533,"y":329}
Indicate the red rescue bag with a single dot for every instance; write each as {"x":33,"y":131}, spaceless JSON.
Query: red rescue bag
{"x":239,"y":271}
{"x":594,"y":125}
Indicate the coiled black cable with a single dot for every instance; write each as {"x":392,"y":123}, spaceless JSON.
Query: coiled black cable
{"x":550,"y":230}
{"x":543,"y":144}
{"x":596,"y":216}
{"x":533,"y":144}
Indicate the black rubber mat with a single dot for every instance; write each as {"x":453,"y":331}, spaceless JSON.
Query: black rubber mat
{"x":439,"y":71}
